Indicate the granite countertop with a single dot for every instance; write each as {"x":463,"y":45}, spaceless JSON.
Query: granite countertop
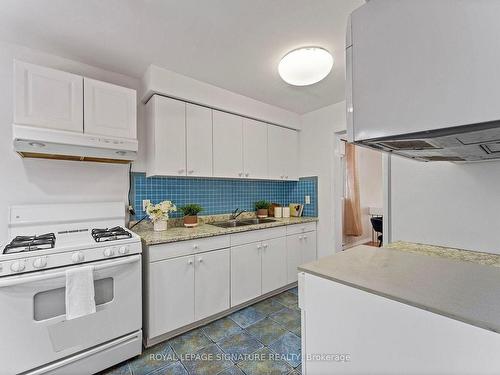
{"x":204,"y":229}
{"x":459,"y":284}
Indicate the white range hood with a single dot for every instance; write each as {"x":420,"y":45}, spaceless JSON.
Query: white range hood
{"x":42,"y":143}
{"x":423,"y":78}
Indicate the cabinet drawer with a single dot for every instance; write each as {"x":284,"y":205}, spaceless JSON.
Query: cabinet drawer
{"x":257,"y":235}
{"x":300,"y":228}
{"x":176,"y":249}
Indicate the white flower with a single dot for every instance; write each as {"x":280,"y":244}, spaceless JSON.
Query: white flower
{"x":160,"y":211}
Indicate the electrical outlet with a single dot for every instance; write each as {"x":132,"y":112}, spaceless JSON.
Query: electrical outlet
{"x":308,"y":199}
{"x":145,"y":203}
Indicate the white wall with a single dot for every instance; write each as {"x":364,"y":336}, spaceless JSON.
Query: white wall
{"x":317,"y":141}
{"x":446,"y":204}
{"x":29,"y":181}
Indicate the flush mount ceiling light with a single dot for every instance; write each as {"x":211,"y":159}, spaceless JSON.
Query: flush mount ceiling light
{"x":305,"y":66}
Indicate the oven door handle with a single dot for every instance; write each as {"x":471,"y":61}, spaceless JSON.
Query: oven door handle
{"x":23,"y":279}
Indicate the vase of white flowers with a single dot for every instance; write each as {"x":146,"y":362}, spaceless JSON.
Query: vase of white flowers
{"x":158,"y":214}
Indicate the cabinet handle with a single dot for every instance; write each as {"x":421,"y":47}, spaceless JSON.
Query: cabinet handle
{"x":286,"y":177}
{"x":259,"y":247}
{"x":195,"y":246}
{"x":247,"y":174}
{"x":190,"y":261}
{"x":200,"y":260}
{"x":282,"y":177}
{"x":300,"y":237}
{"x":181,"y":171}
{"x":240,"y":174}
{"x":191,"y":171}
{"x":265,"y":246}
{"x":305,"y":237}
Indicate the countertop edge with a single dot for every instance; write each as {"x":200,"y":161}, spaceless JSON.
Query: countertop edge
{"x":226,"y":231}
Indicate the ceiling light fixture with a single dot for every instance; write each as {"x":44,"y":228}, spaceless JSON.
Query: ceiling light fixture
{"x":305,"y":66}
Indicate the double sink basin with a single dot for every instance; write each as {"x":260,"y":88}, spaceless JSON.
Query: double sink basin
{"x":241,"y":223}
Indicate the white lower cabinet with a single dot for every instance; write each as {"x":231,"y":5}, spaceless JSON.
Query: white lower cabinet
{"x":300,"y":248}
{"x":211,"y":283}
{"x":274,"y":267}
{"x":171,"y":300}
{"x":246,"y":272}
{"x":189,"y":281}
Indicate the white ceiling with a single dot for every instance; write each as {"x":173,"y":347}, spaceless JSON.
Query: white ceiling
{"x":233,"y":44}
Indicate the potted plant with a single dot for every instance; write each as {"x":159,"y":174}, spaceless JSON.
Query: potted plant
{"x":191,"y":212}
{"x":262,"y":208}
{"x":158,"y":214}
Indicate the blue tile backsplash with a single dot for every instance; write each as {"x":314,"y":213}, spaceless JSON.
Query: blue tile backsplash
{"x":219,"y":196}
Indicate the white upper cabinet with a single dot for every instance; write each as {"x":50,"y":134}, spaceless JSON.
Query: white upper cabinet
{"x":48,"y":98}
{"x":166,"y":138}
{"x":198,"y":141}
{"x":109,"y":110}
{"x":283,"y":153}
{"x":185,"y":139}
{"x":255,"y":149}
{"x":228,"y":145}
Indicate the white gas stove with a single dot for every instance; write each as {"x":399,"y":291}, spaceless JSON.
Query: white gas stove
{"x":47,"y":241}
{"x":48,"y":236}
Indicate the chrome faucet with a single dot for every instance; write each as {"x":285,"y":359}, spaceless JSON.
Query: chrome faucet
{"x":235,"y":214}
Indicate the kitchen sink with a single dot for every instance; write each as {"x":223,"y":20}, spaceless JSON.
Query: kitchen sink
{"x":258,"y":221}
{"x":241,"y":223}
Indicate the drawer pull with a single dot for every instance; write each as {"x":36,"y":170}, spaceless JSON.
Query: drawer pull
{"x":190,"y":261}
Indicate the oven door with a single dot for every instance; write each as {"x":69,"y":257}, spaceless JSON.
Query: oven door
{"x":34,"y":330}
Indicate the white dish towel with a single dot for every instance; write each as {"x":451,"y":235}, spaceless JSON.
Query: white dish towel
{"x":80,"y":297}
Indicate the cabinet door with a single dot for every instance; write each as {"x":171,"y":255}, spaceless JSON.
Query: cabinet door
{"x":293,"y":256}
{"x":228,"y":145}
{"x":171,"y":295}
{"x":109,"y":110}
{"x":48,"y":98}
{"x":166,"y":146}
{"x":245,"y":273}
{"x":283,"y":153}
{"x":308,"y":248}
{"x":198,"y":140}
{"x":291,"y":154}
{"x":274,"y":267}
{"x":211,"y":283}
{"x":255,"y":149}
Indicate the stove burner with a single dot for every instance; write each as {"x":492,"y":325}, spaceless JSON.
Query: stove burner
{"x":110,"y":234}
{"x":31,"y":243}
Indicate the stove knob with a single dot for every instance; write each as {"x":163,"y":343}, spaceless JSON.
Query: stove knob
{"x":77,"y":257}
{"x":40,"y":262}
{"x":108,"y":252}
{"x":17,"y":266}
{"x":123,"y":250}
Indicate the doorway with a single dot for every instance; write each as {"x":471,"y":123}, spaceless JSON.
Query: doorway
{"x":368,"y":167}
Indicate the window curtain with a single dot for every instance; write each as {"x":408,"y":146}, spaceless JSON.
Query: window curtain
{"x":352,"y":208}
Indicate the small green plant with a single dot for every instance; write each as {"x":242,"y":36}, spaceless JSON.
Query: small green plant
{"x":191,"y":209}
{"x":262,"y":205}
